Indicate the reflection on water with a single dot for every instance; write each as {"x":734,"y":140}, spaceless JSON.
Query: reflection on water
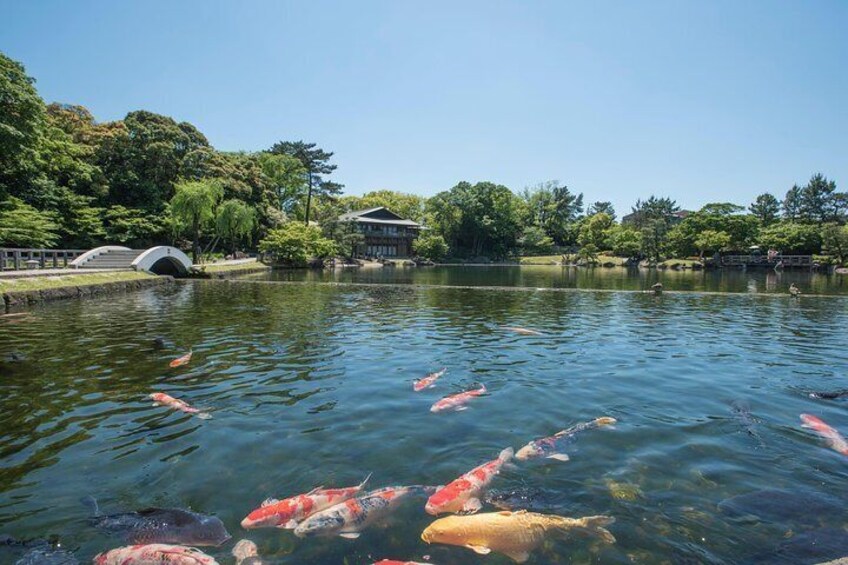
{"x":312,"y":385}
{"x":543,"y":276}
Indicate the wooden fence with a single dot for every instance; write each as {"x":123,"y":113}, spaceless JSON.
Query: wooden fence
{"x":790,"y":261}
{"x":16,"y":259}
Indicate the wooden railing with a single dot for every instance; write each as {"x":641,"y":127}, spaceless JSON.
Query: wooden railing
{"x":763,"y":260}
{"x":16,"y":259}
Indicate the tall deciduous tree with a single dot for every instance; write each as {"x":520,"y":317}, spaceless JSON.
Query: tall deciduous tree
{"x":288,"y":177}
{"x":235,"y":221}
{"x":316,"y":161}
{"x":765,"y":208}
{"x":835,"y":241}
{"x":21,"y":225}
{"x":193,"y":207}
{"x":555,"y":209}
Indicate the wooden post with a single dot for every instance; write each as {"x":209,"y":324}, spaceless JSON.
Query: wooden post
{"x":41,"y":254}
{"x":55,"y":259}
{"x":17,"y":258}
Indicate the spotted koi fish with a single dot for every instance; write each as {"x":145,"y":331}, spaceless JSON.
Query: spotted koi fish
{"x":352,"y":516}
{"x":180,"y":361}
{"x":154,"y":554}
{"x":457,"y":401}
{"x":834,"y":439}
{"x":463,"y":494}
{"x":429,"y":381}
{"x":549,"y":446}
{"x":160,"y":398}
{"x":288,"y":513}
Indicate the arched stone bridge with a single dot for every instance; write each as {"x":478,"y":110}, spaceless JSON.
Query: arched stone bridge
{"x":159,"y":260}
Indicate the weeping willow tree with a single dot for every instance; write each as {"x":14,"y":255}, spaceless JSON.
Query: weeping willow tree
{"x":235,"y":221}
{"x":193,"y":208}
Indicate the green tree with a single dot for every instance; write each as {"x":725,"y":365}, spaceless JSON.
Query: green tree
{"x":316,"y":161}
{"x":624,"y":241}
{"x":555,"y":209}
{"x":21,"y":225}
{"x":645,"y":213}
{"x":193,"y":207}
{"x":22,"y":116}
{"x":594,"y":229}
{"x":235,"y":221}
{"x":408,"y":206}
{"x":288,"y":177}
{"x":588,"y":254}
{"x":765,"y":208}
{"x":711,"y":240}
{"x":601,"y":207}
{"x":835,"y":241}
{"x":819,"y":201}
{"x":791,"y":237}
{"x":534,"y":241}
{"x":295,"y":243}
{"x":431,"y":246}
{"x":653,"y":234}
{"x":792,"y":203}
{"x":133,"y":227}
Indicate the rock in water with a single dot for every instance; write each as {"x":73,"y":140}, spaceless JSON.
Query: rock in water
{"x":774,"y":505}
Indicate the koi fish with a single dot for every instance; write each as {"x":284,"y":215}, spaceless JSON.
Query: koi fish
{"x":393,"y":562}
{"x":288,"y":513}
{"x":462,"y":495}
{"x":246,"y":553}
{"x":547,"y":446}
{"x":522,"y":331}
{"x":834,"y":439}
{"x":154,"y":554}
{"x":180,"y":361}
{"x":350,"y":517}
{"x":515,"y":534}
{"x":429,"y":381}
{"x":160,"y":398}
{"x":457,"y":401}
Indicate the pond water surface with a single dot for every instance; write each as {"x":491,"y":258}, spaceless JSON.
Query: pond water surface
{"x":311,"y":385}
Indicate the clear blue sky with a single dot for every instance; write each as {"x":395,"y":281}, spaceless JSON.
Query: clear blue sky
{"x":702,"y":101}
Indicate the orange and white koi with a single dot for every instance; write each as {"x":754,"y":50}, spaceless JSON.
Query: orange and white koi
{"x":457,"y":401}
{"x":429,"y":381}
{"x":550,"y":446}
{"x":834,"y":439}
{"x":154,"y":554}
{"x":180,"y":361}
{"x":160,"y":398}
{"x":463,"y":494}
{"x":350,"y":517}
{"x":288,"y":513}
{"x":522,"y":331}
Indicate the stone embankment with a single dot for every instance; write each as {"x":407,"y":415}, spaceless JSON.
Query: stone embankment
{"x":15,"y":298}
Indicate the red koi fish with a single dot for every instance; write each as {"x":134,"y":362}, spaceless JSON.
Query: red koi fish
{"x":429,"y":381}
{"x":288,"y":513}
{"x":180,"y":361}
{"x":350,"y":517}
{"x":463,"y":494}
{"x":457,"y":401}
{"x":160,"y":398}
{"x":834,"y":439}
{"x":154,"y":554}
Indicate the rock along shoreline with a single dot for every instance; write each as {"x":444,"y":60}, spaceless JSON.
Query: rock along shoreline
{"x":15,"y":299}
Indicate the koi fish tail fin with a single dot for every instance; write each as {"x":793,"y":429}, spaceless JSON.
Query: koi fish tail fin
{"x":590,"y":525}
{"x":483,"y":389}
{"x":362,"y":484}
{"x":506,"y":454}
{"x":204,"y":415}
{"x":91,"y":503}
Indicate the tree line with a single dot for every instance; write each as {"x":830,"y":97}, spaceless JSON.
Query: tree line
{"x":67,"y":180}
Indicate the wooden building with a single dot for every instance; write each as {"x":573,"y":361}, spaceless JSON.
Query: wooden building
{"x":386,"y":233}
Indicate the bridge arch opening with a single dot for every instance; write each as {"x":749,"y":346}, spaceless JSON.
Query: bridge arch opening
{"x":168,"y":266}
{"x":163,"y":260}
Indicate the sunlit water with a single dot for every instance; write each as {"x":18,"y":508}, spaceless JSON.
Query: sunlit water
{"x":312,"y":385}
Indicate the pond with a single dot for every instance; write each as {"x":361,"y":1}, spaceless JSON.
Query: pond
{"x":311,"y":385}
{"x":544,"y":276}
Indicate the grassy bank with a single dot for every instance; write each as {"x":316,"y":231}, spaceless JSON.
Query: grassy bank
{"x":30,"y":284}
{"x":228,"y":267}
